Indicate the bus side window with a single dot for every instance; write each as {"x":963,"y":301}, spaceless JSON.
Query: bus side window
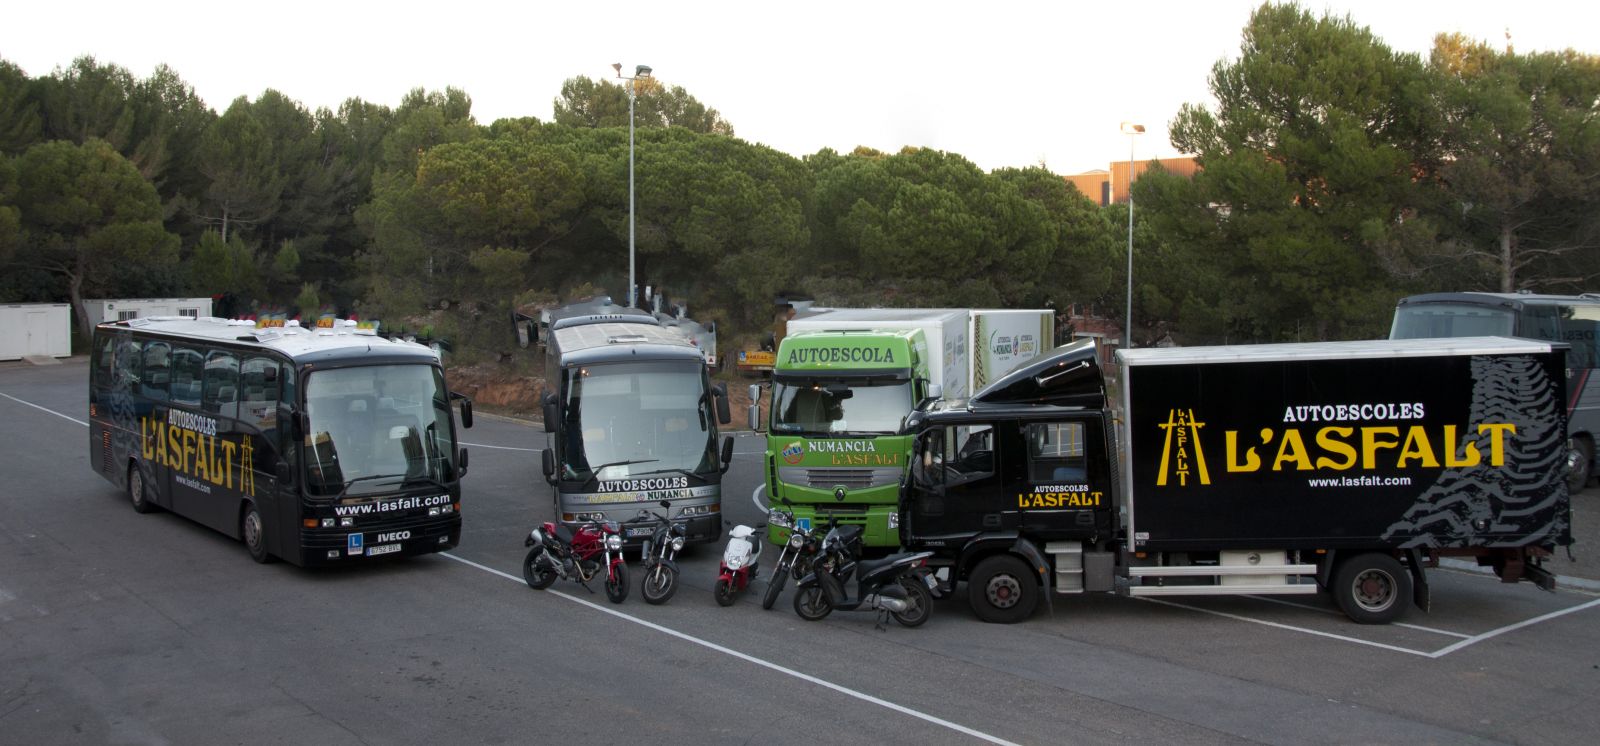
{"x":127,"y":363}
{"x":156,"y":371}
{"x":104,"y":352}
{"x":188,"y":367}
{"x":221,"y":387}
{"x":1579,"y":327}
{"x":258,"y":397}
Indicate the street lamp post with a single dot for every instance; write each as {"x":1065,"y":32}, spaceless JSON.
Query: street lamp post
{"x":1131,"y":130}
{"x":641,"y":71}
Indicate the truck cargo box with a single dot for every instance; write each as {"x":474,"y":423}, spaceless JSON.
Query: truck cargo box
{"x":1435,"y":443}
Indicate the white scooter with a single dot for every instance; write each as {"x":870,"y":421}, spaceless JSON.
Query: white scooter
{"x":738,"y":562}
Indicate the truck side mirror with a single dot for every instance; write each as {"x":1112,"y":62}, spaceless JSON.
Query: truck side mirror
{"x":461,"y":464}
{"x":720,"y":392}
{"x":935,"y":391}
{"x":552,"y":413}
{"x":549,"y":458}
{"x":727,"y":453}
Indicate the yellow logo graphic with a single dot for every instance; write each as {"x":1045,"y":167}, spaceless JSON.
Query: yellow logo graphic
{"x":1183,"y":432}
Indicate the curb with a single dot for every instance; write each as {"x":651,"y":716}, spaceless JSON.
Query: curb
{"x":1562,"y":581}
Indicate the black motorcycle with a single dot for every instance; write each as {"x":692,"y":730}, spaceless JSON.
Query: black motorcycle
{"x":897,"y":585}
{"x":798,"y":555}
{"x":661,"y":555}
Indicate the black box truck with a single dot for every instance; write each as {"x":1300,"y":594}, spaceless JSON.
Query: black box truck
{"x":1344,"y":467}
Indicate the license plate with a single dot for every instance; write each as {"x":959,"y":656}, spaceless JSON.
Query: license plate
{"x":645,"y":531}
{"x":382,"y":549}
{"x":933,"y":582}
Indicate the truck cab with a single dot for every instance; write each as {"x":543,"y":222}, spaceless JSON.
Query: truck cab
{"x":999,"y":480}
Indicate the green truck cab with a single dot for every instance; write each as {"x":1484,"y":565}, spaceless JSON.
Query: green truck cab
{"x":834,"y":448}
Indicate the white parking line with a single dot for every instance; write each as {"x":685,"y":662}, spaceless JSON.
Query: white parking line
{"x":1335,"y":612}
{"x":1475,"y":639}
{"x":752,"y":659}
{"x":1290,"y":627}
{"x":42,"y":409}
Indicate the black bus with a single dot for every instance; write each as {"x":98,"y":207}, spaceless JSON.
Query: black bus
{"x":316,"y":446}
{"x":1573,"y":319}
{"x":633,"y":421}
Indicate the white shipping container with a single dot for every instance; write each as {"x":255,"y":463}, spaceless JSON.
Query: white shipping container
{"x":35,"y":329}
{"x":118,"y":309}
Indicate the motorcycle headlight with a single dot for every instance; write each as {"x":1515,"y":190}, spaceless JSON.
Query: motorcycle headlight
{"x":796,"y":541}
{"x":613,"y":542}
{"x":734,"y":563}
{"x":677,"y":543}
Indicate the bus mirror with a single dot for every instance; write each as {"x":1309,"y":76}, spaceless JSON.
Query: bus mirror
{"x":549,"y":458}
{"x":727,"y":453}
{"x":466,"y":409}
{"x":296,"y":422}
{"x":724,"y":415}
{"x":461,"y":464}
{"x":552,"y":413}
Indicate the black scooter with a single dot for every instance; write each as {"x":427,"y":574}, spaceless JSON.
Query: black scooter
{"x":897,"y":585}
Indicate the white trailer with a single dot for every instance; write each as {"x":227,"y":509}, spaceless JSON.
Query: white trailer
{"x":946,"y":331}
{"x":1004,"y":338}
{"x":972,"y":347}
{"x":121,"y":309}
{"x":28,"y":329}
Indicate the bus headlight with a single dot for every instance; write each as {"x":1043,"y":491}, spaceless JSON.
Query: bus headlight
{"x":613,"y":542}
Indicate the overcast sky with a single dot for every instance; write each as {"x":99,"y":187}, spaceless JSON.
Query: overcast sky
{"x":1002,"y":83}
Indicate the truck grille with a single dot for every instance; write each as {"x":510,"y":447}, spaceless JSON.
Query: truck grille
{"x":827,"y":477}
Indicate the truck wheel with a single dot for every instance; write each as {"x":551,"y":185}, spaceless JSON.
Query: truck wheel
{"x":1002,"y":590}
{"x":1580,"y":464}
{"x":1372,"y":588}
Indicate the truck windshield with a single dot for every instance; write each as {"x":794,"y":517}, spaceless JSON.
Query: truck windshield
{"x":625,"y":419}
{"x":375,"y":428}
{"x":814,"y":406}
{"x":1428,"y":320}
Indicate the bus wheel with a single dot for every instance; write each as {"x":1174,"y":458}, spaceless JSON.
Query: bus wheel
{"x":1580,"y":463}
{"x":1372,"y":588}
{"x":1002,"y":589}
{"x":138,"y":493}
{"x":254,"y":533}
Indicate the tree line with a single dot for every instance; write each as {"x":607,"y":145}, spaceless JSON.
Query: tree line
{"x":1336,"y":175}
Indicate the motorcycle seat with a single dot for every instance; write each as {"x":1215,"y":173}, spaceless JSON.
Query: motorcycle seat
{"x":867,"y":567}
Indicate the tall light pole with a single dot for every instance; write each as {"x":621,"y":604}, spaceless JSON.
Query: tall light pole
{"x":1131,"y":130}
{"x":641,"y":71}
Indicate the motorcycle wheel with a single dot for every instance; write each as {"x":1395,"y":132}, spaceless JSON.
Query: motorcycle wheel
{"x":920,"y":600}
{"x":724,"y":592}
{"x":812,"y":603}
{"x":617,"y":583}
{"x":774,"y":586}
{"x":660,"y":582}
{"x":538,"y":575}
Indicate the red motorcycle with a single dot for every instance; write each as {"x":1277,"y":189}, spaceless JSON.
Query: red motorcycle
{"x":556,"y":550}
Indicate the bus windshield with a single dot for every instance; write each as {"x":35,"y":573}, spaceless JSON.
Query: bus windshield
{"x":374,"y":428}
{"x":627,"y":419}
{"x":1431,"y":320}
{"x":816,"y":406}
